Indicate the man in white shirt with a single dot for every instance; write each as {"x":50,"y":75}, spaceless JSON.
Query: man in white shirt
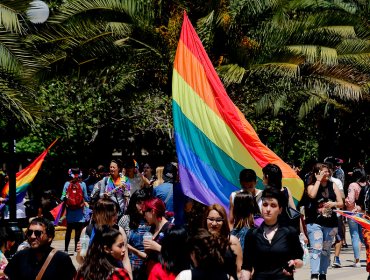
{"x":248,"y":182}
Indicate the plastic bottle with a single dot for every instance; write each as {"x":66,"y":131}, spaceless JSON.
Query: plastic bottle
{"x":84,"y":240}
{"x":306,"y":253}
{"x":148,"y":235}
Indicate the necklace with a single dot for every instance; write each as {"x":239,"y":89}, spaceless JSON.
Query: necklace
{"x":271,"y":231}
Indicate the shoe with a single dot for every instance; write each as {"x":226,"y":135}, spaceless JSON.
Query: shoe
{"x":345,"y":245}
{"x":316,"y":277}
{"x":358,"y":264}
{"x":322,"y":277}
{"x":336,"y":263}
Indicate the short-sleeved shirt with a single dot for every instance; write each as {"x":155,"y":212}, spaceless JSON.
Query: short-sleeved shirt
{"x":75,"y":215}
{"x":165,"y":193}
{"x":25,"y":266}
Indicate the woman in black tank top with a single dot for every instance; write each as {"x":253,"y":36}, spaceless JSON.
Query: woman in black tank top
{"x":321,"y":220}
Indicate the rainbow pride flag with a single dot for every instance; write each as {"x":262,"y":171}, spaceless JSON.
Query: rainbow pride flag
{"x":357,"y":217}
{"x":214,"y":141}
{"x":26,"y":176}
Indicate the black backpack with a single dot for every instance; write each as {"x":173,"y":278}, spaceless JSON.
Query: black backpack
{"x":364,"y":198}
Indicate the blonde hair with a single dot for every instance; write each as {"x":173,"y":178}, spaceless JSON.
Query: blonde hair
{"x":159,"y":174}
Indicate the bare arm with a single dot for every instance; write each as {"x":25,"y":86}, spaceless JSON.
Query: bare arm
{"x":137,"y":252}
{"x":237,"y":249}
{"x":338,"y":196}
{"x":312,"y":189}
{"x":79,"y":258}
{"x":231,"y":215}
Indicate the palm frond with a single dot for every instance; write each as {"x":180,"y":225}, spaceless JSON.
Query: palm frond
{"x":313,"y":54}
{"x":9,"y":19}
{"x":322,"y":4}
{"x":14,"y":56}
{"x":328,"y":56}
{"x":281,"y":69}
{"x":359,"y":61}
{"x":347,"y":32}
{"x":205,"y":30}
{"x":17,"y":101}
{"x":250,"y":7}
{"x":352,"y":46}
{"x":137,"y":10}
{"x":119,"y":28}
{"x":231,"y":73}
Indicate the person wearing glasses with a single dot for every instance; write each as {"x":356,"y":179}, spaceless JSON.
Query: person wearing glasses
{"x":216,"y":222}
{"x":26,"y":264}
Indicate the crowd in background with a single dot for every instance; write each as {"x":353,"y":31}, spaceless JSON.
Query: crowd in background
{"x":137,"y":224}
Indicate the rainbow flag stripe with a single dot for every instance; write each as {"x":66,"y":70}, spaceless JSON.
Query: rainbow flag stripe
{"x":26,"y":176}
{"x":357,"y":217}
{"x":214,"y":141}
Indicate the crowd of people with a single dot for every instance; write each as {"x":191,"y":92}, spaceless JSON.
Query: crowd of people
{"x":130,"y":225}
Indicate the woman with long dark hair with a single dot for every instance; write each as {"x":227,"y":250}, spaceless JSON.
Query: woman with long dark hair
{"x":104,"y":216}
{"x":216,"y":222}
{"x":244,"y":211}
{"x":174,"y":255}
{"x":135,"y":226}
{"x":104,"y":257}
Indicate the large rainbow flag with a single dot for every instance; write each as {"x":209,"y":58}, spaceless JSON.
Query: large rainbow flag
{"x":26,"y":176}
{"x":214,"y":141}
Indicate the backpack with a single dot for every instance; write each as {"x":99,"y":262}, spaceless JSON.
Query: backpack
{"x":364,"y":198}
{"x":74,"y":196}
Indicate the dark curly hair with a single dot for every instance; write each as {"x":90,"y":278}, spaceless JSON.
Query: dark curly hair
{"x":208,"y":249}
{"x":98,"y":264}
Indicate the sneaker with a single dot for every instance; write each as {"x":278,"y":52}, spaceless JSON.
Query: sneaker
{"x":336,"y":263}
{"x":322,"y":277}
{"x":357,"y":264}
{"x":314,"y":277}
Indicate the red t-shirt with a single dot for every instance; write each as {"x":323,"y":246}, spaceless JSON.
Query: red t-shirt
{"x":159,"y":273}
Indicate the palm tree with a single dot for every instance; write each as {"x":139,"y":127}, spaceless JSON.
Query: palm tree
{"x":311,"y":52}
{"x":17,"y":64}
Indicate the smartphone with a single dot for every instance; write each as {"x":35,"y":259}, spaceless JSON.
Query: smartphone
{"x":289,"y":268}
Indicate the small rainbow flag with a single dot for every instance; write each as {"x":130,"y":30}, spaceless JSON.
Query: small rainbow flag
{"x":26,"y":176}
{"x":214,"y":141}
{"x":365,"y":223}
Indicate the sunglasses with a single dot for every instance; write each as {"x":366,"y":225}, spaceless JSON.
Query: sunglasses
{"x":37,"y":233}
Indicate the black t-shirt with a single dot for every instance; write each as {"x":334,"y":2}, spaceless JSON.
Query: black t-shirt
{"x":24,"y":266}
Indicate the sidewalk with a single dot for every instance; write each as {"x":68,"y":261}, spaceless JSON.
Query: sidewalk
{"x":345,"y":272}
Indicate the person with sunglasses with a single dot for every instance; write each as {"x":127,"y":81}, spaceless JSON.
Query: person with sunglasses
{"x":26,"y":264}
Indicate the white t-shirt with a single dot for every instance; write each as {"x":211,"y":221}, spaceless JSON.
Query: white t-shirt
{"x":257,"y":196}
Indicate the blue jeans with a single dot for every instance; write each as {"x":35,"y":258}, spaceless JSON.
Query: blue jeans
{"x":356,"y":236}
{"x":321,"y":239}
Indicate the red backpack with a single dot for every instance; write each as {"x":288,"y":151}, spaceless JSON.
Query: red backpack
{"x":74,"y":196}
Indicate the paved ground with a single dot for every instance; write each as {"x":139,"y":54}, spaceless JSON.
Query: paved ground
{"x":346,"y":272}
